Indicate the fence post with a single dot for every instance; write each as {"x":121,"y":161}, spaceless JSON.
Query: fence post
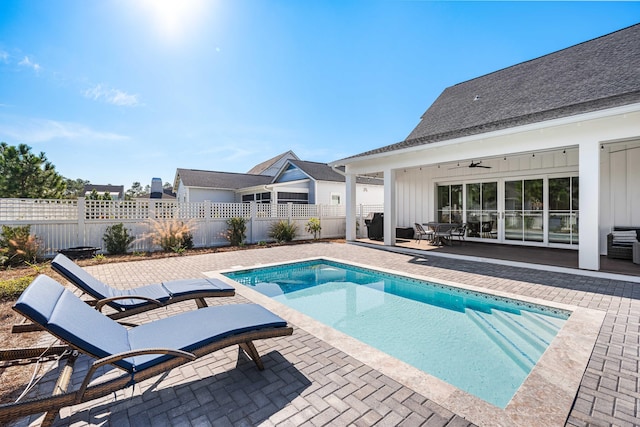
{"x":152,"y":209}
{"x":253,"y":215}
{"x":208,"y":209}
{"x":82,"y":214}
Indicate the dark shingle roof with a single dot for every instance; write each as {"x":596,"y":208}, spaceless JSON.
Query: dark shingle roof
{"x":594,"y":75}
{"x":318,"y":171}
{"x":220,"y":180}
{"x":104,"y":188}
{"x":324,"y":172}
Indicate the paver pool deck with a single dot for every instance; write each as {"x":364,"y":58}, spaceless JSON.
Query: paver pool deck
{"x":307,"y":381}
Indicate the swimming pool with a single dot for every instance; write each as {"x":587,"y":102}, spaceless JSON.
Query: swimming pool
{"x":481,"y":343}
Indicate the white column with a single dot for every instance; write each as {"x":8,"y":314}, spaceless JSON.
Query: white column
{"x":350,"y":205}
{"x":389,"y":229}
{"x":589,"y":219}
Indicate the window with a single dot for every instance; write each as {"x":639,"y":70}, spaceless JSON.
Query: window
{"x":287,"y":197}
{"x":259,"y":198}
{"x":335,"y":198}
{"x":263,"y":197}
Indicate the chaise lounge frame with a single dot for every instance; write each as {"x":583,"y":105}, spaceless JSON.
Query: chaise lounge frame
{"x":61,"y":397}
{"x":206,"y":288}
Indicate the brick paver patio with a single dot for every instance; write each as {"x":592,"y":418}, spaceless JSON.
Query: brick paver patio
{"x":308,"y":382}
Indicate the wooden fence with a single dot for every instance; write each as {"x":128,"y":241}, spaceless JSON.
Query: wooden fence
{"x":61,"y":224}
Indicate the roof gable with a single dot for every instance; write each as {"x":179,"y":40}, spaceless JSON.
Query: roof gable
{"x":262,"y":168}
{"x":594,"y":75}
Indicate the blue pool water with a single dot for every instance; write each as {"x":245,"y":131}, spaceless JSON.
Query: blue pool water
{"x":480,"y":343}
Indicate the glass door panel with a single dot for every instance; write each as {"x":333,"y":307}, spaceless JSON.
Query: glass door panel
{"x":563,"y":210}
{"x":450,"y":203}
{"x":524,"y":209}
{"x":482,"y":210}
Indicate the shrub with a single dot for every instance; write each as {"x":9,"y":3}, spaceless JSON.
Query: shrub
{"x":17,"y":245}
{"x":313,"y":227}
{"x":283,"y":231}
{"x":236,"y":230}
{"x":171,"y":235}
{"x":117,"y":239}
{"x":12,"y":288}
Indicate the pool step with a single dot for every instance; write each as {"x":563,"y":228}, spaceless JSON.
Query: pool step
{"x":523,"y":337}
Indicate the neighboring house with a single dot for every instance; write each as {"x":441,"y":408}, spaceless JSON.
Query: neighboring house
{"x":115,"y":191}
{"x":543,"y":153}
{"x":198,"y":186}
{"x":295,"y":181}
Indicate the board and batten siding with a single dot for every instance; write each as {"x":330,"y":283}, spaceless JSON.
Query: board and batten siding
{"x":416,"y":187}
{"x":619,"y":187}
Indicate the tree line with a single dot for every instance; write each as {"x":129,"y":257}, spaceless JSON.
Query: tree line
{"x":26,"y":175}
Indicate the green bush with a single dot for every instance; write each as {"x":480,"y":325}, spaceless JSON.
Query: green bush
{"x":283,"y":231}
{"x":313,"y":227}
{"x":12,"y":288}
{"x":236,"y":230}
{"x":18,"y":246}
{"x":117,"y":239}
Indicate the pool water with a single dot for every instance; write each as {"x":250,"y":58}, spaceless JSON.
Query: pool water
{"x":483,"y":344}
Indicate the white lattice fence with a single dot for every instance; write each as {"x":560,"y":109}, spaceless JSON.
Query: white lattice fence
{"x":116,"y":209}
{"x":37,"y":209}
{"x":61,"y":224}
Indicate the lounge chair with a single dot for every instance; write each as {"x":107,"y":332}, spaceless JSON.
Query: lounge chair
{"x":141,"y":352}
{"x":133,"y":301}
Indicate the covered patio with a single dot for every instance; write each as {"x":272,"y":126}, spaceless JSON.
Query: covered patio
{"x":532,"y":256}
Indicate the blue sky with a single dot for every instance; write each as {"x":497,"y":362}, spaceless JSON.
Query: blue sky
{"x":117,"y":91}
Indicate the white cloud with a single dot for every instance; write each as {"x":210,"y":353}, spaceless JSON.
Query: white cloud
{"x":28,"y":130}
{"x":111,"y":96}
{"x":26,"y":62}
{"x":4,"y":56}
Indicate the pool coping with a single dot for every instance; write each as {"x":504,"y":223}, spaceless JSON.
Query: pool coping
{"x":545,"y":397}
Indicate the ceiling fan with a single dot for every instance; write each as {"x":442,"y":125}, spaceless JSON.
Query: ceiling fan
{"x":478,"y":165}
{"x":473,"y":165}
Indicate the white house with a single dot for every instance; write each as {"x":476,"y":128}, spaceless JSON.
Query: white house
{"x":294,"y":181}
{"x":543,"y":153}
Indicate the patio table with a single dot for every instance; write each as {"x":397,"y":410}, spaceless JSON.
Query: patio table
{"x":441,"y":232}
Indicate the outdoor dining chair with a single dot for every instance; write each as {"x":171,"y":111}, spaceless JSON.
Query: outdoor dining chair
{"x":421,"y":232}
{"x":459,"y":232}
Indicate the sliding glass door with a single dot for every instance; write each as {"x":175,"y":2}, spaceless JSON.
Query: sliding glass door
{"x":482,"y":210}
{"x":535,"y":210}
{"x":523,"y":210}
{"x":563,"y":210}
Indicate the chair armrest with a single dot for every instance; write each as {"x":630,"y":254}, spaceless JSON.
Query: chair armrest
{"x":116,"y":357}
{"x":106,"y":301}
